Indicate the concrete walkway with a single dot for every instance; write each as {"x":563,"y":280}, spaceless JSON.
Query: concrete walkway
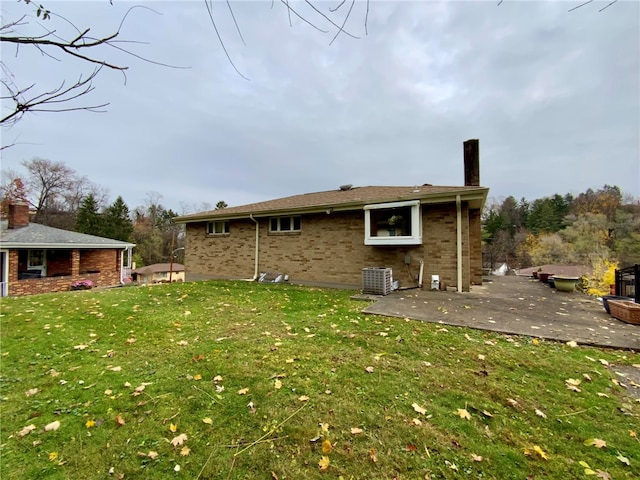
{"x":515,"y":305}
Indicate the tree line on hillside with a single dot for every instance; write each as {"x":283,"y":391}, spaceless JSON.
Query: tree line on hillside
{"x":593,"y":228}
{"x":60,"y":198}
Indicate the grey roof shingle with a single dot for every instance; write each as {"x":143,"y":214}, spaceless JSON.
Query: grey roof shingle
{"x":350,"y":199}
{"x":41,"y":236}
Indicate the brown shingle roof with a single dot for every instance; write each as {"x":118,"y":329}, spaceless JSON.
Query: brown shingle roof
{"x":351,"y":199}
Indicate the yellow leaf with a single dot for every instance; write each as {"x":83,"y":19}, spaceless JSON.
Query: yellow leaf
{"x":31,"y":391}
{"x":324,"y":427}
{"x":278,"y":384}
{"x":179,"y":440}
{"x":243,"y":391}
{"x":463,"y":413}
{"x":207,"y":420}
{"x":197,"y":376}
{"x":416,"y":421}
{"x":540,"y":452}
{"x":303,"y":398}
{"x":90,"y":423}
{"x":623,"y":459}
{"x":324,"y":463}
{"x":418,"y":408}
{"x":476,"y":458}
{"x":356,"y":431}
{"x":185,"y":451}
{"x":152,"y":455}
{"x":173,"y":427}
{"x":53,"y":456}
{"x":326,"y":446}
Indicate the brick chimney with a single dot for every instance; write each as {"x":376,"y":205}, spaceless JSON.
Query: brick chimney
{"x":472,"y":163}
{"x":18,"y":215}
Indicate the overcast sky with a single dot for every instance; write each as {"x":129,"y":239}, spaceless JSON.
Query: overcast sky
{"x":552,"y":95}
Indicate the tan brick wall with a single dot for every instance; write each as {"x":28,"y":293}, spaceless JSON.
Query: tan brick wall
{"x":329,"y":249}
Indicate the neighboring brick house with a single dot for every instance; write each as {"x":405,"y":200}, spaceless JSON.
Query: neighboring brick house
{"x":40,"y":259}
{"x":327,"y":238}
{"x":159,"y":273}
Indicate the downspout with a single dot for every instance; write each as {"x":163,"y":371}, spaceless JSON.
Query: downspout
{"x":255,"y":269}
{"x":459,"y":242}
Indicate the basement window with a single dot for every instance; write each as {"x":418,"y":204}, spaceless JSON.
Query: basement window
{"x":396,"y":223}
{"x":217,"y":228}
{"x":285,"y":224}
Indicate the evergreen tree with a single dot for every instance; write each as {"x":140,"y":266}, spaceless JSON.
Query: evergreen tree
{"x":118,"y":225}
{"x":89,"y":219}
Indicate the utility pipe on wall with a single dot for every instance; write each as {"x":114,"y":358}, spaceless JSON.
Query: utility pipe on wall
{"x":459,"y":242}
{"x":255,"y":268}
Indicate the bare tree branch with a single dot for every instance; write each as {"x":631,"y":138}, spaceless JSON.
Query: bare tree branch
{"x":48,"y":101}
{"x":346,"y":17}
{"x":209,"y":6}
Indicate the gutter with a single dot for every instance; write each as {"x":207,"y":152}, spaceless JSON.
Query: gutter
{"x":255,"y":268}
{"x":459,"y":242}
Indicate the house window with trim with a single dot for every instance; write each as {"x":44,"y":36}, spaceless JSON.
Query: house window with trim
{"x":219,"y":227}
{"x":289,"y":223}
{"x":396,"y":223}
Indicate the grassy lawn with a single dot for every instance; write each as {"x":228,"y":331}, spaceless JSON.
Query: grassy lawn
{"x":241,"y":381}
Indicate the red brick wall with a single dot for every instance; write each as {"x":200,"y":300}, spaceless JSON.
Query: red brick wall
{"x":330,"y":249}
{"x":107,"y":262}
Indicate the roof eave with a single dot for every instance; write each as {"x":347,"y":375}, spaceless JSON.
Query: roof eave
{"x":59,"y":246}
{"x":476,"y":197}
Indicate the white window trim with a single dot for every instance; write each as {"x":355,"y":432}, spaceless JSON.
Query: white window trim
{"x":416,"y":225}
{"x":213,"y":223}
{"x":291,"y":220}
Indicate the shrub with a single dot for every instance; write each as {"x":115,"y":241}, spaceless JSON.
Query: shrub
{"x":82,"y":285}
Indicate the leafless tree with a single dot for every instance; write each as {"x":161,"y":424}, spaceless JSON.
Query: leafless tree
{"x":82,"y":45}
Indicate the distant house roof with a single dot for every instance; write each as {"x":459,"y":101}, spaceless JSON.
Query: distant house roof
{"x":159,"y":268}
{"x":35,"y":235}
{"x":349,"y":198}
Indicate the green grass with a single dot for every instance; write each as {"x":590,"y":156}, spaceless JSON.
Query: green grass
{"x":86,"y":353}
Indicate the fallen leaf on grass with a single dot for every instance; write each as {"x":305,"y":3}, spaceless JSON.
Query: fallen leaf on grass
{"x":152,"y":455}
{"x":182,"y":343}
{"x":512,"y":402}
{"x":476,"y":458}
{"x":463,"y":413}
{"x":80,"y":347}
{"x":114,"y":369}
{"x":356,"y":431}
{"x":623,"y":459}
{"x":416,"y":421}
{"x":410,"y":447}
{"x":207,"y":420}
{"x":372,"y":455}
{"x":90,"y":423}
{"x":53,"y":426}
{"x":26,"y":430}
{"x":326,"y":446}
{"x":197,"y":376}
{"x":185,"y":451}
{"x":536,"y":450}
{"x":179,"y":440}
{"x":540,"y":413}
{"x":418,"y":408}
{"x":120,"y":420}
{"x":173,"y":427}
{"x":572,"y":384}
{"x":243,"y":391}
{"x":53,"y":456}
{"x":277,"y":384}
{"x":303,"y":398}
{"x":603,"y":475}
{"x":324,"y":463}
{"x":596,"y":442}
{"x":369,"y":369}
{"x":217,"y":379}
{"x":31,"y":391}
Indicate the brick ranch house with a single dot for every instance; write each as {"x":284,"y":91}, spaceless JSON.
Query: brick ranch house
{"x":40,"y":259}
{"x":327,"y":238}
